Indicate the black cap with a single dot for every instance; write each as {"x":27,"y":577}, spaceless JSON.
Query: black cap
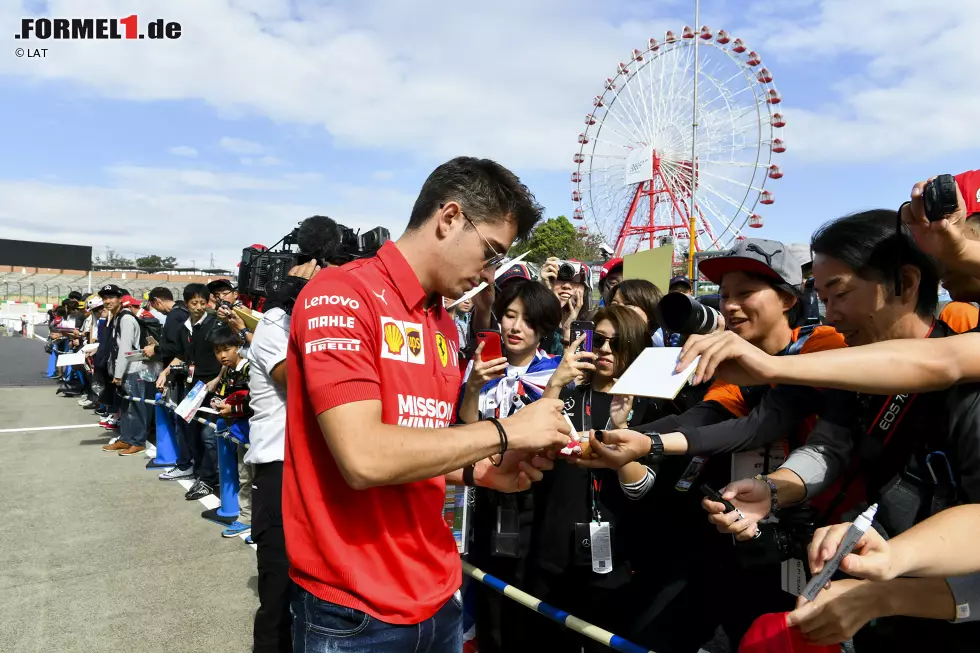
{"x":110,"y":290}
{"x":220,"y":284}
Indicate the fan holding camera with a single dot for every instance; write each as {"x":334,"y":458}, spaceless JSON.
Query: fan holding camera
{"x":571,"y":281}
{"x":942,"y":215}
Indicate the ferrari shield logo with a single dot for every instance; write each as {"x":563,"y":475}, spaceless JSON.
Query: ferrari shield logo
{"x":442,"y":349}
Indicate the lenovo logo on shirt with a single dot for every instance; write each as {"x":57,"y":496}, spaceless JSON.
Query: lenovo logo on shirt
{"x":424,"y":412}
{"x":332,"y":300}
{"x":331,"y":321}
{"x":334,"y":344}
{"x":402,"y":341}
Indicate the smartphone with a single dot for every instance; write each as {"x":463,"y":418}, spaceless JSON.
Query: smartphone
{"x":492,"y":345}
{"x":577,"y":329}
{"x":715,"y":495}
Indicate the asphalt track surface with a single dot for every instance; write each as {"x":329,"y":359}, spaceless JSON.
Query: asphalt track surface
{"x":96,"y":553}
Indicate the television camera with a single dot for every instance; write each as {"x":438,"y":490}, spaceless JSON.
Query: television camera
{"x":265,"y":273}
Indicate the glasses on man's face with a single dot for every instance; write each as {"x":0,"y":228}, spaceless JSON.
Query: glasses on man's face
{"x":598,"y":340}
{"x":491,"y":257}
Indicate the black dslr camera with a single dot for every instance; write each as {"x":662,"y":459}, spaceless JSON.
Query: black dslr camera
{"x":939,"y":197}
{"x":680,"y":313}
{"x":785,"y":540}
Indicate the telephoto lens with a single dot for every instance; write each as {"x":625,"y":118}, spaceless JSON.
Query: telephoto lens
{"x":680,"y":313}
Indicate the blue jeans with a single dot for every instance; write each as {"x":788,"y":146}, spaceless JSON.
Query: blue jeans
{"x":323,"y":627}
{"x":135,"y":417}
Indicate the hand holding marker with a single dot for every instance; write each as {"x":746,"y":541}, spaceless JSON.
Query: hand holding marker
{"x":853,"y":536}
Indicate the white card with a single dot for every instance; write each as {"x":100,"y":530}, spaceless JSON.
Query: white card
{"x":601,"y":547}
{"x":76,"y":358}
{"x":747,"y":464}
{"x":652,"y":374}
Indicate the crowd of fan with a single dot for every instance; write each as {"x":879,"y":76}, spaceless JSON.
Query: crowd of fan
{"x":789,"y":453}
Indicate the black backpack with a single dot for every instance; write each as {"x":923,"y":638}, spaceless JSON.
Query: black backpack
{"x":149,"y":327}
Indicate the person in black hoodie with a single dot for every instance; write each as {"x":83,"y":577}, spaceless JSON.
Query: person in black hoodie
{"x":202,"y":365}
{"x":171,"y":346}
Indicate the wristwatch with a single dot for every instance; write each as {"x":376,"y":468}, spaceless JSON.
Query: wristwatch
{"x":773,"y":499}
{"x":656,"y":447}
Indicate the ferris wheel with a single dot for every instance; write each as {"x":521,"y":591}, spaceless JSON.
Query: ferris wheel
{"x":633,"y":175}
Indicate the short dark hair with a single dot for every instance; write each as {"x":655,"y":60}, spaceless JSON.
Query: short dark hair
{"x":322,"y":238}
{"x":643,"y":294}
{"x":193,"y":290}
{"x":224,"y":336}
{"x":486,"y":190}
{"x":74,"y":294}
{"x":161,"y":293}
{"x":634,"y":334}
{"x":871,"y":245}
{"x":542,"y":310}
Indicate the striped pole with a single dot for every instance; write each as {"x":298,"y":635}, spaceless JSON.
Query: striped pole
{"x":600,"y":635}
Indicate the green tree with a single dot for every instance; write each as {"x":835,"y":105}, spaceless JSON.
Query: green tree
{"x":155,"y":262}
{"x":558,"y":237}
{"x":113,"y":259}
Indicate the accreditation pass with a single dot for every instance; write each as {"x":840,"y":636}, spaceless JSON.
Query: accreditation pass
{"x":601,"y":547}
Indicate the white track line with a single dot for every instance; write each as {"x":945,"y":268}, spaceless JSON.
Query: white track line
{"x":49,"y":428}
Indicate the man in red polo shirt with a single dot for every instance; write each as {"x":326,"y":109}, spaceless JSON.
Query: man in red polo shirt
{"x":373,"y":376}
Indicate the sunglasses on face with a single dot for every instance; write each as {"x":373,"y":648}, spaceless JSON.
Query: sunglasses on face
{"x":598,"y":340}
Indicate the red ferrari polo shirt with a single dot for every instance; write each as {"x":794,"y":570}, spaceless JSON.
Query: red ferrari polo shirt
{"x":362,"y":332}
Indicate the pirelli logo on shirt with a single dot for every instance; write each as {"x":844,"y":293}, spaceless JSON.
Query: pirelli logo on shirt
{"x":333,"y":344}
{"x":402,"y":341}
{"x":424,"y":412}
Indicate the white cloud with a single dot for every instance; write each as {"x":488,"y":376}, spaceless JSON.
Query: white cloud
{"x":240,"y":146}
{"x":383,"y":175}
{"x":190,"y":216}
{"x":510,"y":80}
{"x":183,"y":150}
{"x":261,"y":162}
{"x":904,"y":89}
{"x":185,"y":179}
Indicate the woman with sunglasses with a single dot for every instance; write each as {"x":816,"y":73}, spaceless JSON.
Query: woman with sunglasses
{"x":559,"y":568}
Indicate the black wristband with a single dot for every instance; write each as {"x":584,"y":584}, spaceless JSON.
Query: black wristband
{"x":468,"y":479}
{"x":656,"y":447}
{"x":503,"y":441}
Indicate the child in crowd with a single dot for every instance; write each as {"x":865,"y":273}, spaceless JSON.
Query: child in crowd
{"x":231,"y":400}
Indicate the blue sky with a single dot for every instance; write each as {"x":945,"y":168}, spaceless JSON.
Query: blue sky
{"x":267,"y":111}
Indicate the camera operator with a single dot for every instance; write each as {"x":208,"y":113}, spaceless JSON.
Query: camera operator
{"x":371,"y":386}
{"x":225,"y":298}
{"x":913,"y":454}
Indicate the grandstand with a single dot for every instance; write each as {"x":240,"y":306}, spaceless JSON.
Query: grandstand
{"x":49,"y":285}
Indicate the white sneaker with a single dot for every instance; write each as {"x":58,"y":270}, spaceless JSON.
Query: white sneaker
{"x":175,"y":473}
{"x":87,"y":404}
